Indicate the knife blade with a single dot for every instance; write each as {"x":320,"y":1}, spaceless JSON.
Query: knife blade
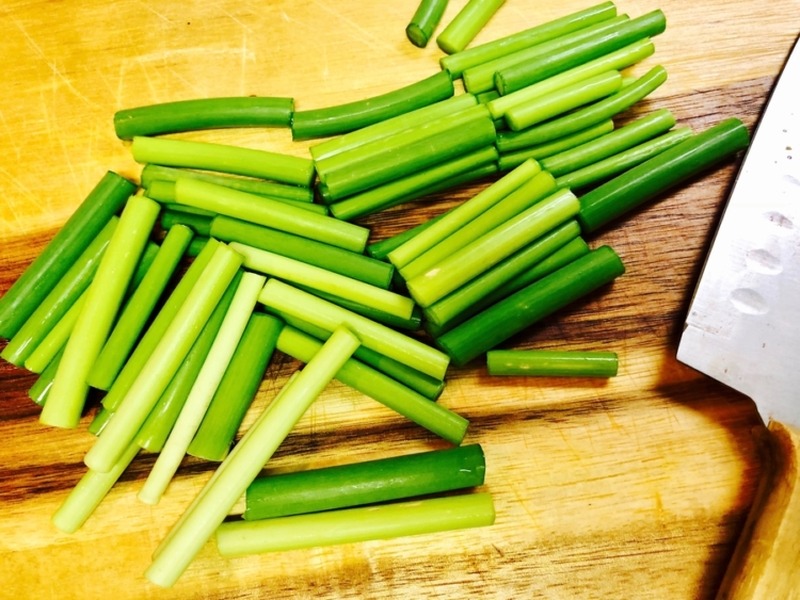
{"x":743,"y":329}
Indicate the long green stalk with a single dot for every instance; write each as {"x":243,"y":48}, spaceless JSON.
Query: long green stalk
{"x":164,"y":361}
{"x":384,"y":129}
{"x":202,"y":392}
{"x":237,"y":389}
{"x":457,"y":303}
{"x":521,"y":310}
{"x":334,"y":120}
{"x":58,"y":302}
{"x":520,"y":117}
{"x":137,"y":311}
{"x":424,"y":21}
{"x":271,"y":213}
{"x":164,"y":192}
{"x":40,"y":388}
{"x":460,"y":134}
{"x":552,"y":363}
{"x":426,"y":385}
{"x":382,"y":388}
{"x":403,"y":348}
{"x":41,"y":276}
{"x":624,"y":160}
{"x":413,"y":186}
{"x":467,"y":24}
{"x":660,"y":173}
{"x":367,"y":482}
{"x":246,"y":460}
{"x":203,"y":113}
{"x":66,"y":399}
{"x":89,"y":492}
{"x":614,"y":61}
{"x":152,"y":173}
{"x":381,"y":249}
{"x":160,"y":324}
{"x":491,"y":248}
{"x":223,"y":158}
{"x":385,"y":521}
{"x":56,"y":338}
{"x":512,"y":159}
{"x":155,"y":430}
{"x":316,"y":278}
{"x":528,"y":194}
{"x":345,"y":262}
{"x":481,"y":78}
{"x":462,"y":214}
{"x":565,"y":100}
{"x":569,"y":55}
{"x":636,"y":132}
{"x":457,"y":63}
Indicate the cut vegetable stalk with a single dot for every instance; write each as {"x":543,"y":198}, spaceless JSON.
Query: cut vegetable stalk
{"x":60,"y":299}
{"x":38,"y":391}
{"x":246,"y":460}
{"x":56,"y":338}
{"x":519,"y":311}
{"x":316,"y":278}
{"x":528,"y":194}
{"x":152,"y":173}
{"x":271,"y":213}
{"x":552,"y":363}
{"x":512,"y":159}
{"x":380,"y":338}
{"x":137,"y":311}
{"x":614,"y":61}
{"x":411,"y":187}
{"x":151,"y":338}
{"x":334,"y":120}
{"x":237,"y":389}
{"x":156,"y":429}
{"x":90,"y":491}
{"x":331,"y":258}
{"x":564,"y":101}
{"x":456,"y":218}
{"x":384,"y":521}
{"x":520,"y":117}
{"x":424,"y":21}
{"x":391,"y":393}
{"x":467,"y":24}
{"x":628,"y":136}
{"x":426,"y":385}
{"x":220,"y":157}
{"x":41,"y":276}
{"x":383,"y":129}
{"x":367,"y":482}
{"x":470,"y":130}
{"x":164,"y":360}
{"x":65,"y":401}
{"x":627,"y":159}
{"x":454,"y":305}
{"x":380,"y":250}
{"x":569,"y":55}
{"x":660,"y":173}
{"x":457,"y":63}
{"x":202,"y":392}
{"x":491,"y":248}
{"x":481,"y":78}
{"x":203,"y":113}
{"x":164,"y":192}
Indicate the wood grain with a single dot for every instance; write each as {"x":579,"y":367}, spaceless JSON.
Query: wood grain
{"x":633,"y":487}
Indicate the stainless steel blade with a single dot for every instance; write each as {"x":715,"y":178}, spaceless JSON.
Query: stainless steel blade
{"x":743,"y":325}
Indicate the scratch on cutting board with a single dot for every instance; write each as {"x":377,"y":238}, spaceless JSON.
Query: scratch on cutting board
{"x":364,"y":33}
{"x":58,"y":75}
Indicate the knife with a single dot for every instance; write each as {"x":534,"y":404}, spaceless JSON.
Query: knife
{"x":743,"y":329}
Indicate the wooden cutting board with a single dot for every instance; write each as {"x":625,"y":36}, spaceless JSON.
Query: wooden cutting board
{"x":634,"y":487}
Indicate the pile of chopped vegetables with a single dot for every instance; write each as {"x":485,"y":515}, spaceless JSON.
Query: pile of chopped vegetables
{"x":169,"y":297}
